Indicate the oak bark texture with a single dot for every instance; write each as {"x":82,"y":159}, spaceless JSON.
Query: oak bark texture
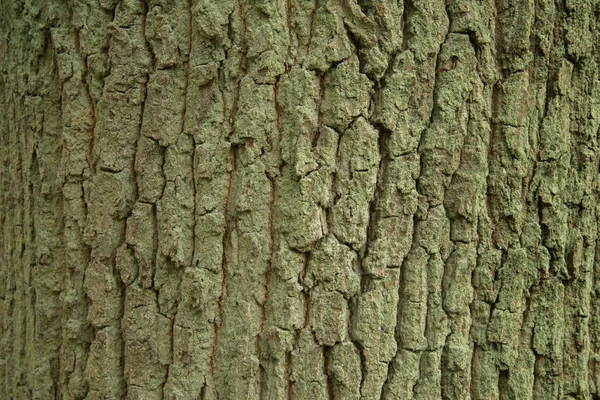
{"x":299,"y":199}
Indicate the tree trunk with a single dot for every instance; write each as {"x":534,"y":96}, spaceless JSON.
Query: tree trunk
{"x":299,"y":199}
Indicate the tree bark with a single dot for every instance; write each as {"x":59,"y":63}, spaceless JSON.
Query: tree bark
{"x":299,"y":199}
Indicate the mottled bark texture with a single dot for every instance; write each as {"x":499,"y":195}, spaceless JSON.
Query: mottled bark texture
{"x":299,"y":199}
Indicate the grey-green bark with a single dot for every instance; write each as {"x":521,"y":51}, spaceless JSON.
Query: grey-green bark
{"x":299,"y":199}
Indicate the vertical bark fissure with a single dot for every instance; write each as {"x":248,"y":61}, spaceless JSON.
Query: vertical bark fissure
{"x":498,"y":39}
{"x":3,"y":206}
{"x":86,"y":88}
{"x":314,"y":138}
{"x":438,"y":67}
{"x":288,"y":23}
{"x":186,"y":79}
{"x":313,"y":18}
{"x":288,"y":375}
{"x":271,"y":232}
{"x":19,"y":250}
{"x":326,"y":372}
{"x":74,"y":277}
{"x":224,"y":265}
{"x":406,"y":4}
{"x":397,"y":331}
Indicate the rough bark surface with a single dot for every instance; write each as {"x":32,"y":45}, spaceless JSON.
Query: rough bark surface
{"x":299,"y":199}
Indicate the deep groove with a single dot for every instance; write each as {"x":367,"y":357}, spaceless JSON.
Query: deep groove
{"x":326,"y":361}
{"x":226,"y":242}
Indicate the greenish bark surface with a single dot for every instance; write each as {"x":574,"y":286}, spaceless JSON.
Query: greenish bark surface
{"x":299,"y":199}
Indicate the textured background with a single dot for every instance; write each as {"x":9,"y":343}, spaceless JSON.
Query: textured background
{"x":299,"y":199}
